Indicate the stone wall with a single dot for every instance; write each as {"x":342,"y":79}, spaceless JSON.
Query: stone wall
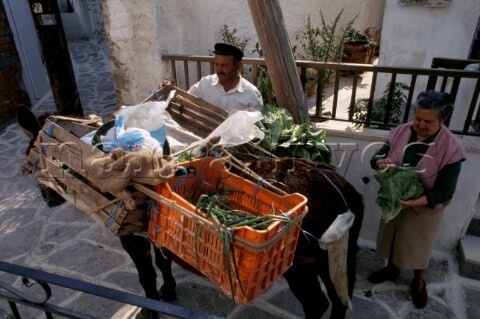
{"x":11,"y":93}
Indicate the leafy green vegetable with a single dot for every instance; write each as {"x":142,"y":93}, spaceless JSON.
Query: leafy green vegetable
{"x":284,"y":138}
{"x":397,"y":183}
{"x":185,"y":156}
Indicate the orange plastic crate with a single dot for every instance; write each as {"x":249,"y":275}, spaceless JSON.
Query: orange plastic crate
{"x":261,"y":256}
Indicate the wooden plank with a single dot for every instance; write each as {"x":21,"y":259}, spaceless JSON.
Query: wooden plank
{"x":273,"y":37}
{"x":64,"y":152}
{"x":203,"y":103}
{"x":87,"y":194}
{"x":64,"y":136}
{"x":31,"y":162}
{"x":186,"y":122}
{"x":77,"y":129}
{"x":196,"y":118}
{"x":214,"y":117}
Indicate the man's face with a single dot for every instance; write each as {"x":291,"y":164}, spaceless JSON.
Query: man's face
{"x":225,"y":68}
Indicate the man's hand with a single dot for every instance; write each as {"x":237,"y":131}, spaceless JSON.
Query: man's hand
{"x":166,"y":83}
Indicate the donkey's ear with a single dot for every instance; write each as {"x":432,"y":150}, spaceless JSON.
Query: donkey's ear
{"x":28,"y":121}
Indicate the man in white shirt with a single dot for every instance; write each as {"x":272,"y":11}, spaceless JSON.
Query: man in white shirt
{"x":226,"y":88}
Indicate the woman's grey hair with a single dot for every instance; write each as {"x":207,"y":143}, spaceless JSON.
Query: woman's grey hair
{"x":442,"y":102}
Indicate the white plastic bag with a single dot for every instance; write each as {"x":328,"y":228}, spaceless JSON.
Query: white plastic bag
{"x":141,"y":127}
{"x":239,"y":128}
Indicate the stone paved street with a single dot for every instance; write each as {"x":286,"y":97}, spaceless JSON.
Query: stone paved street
{"x":65,"y":241}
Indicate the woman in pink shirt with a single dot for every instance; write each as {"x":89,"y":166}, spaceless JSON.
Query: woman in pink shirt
{"x":427,"y":144}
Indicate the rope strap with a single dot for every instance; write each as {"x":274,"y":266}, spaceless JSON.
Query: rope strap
{"x":49,"y":131}
{"x":112,"y":217}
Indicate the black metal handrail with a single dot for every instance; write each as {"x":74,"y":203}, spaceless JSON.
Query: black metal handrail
{"x":445,"y":80}
{"x":43,"y":298}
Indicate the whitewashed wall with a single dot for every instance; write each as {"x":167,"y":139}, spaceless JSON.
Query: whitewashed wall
{"x":140,"y":32}
{"x":413,"y":35}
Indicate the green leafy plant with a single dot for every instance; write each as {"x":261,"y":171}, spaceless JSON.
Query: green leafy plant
{"x":230,"y":36}
{"x":354,"y":36}
{"x":263,"y":81}
{"x":322,"y":44}
{"x":379,"y":107}
{"x":284,"y":138}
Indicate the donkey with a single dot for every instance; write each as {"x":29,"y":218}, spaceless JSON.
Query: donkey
{"x":328,"y":194}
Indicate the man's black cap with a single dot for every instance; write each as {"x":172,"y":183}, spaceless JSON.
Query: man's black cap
{"x":228,"y":49}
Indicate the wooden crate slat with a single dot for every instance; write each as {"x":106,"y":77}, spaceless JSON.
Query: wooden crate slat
{"x":194,"y":119}
{"x":88,"y":195}
{"x":68,"y":153}
{"x":205,"y":104}
{"x":66,"y":137}
{"x":191,"y":124}
{"x":200,"y":109}
{"x":77,"y":129}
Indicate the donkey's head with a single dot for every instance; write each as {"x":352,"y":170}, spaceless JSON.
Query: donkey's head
{"x":31,"y":126}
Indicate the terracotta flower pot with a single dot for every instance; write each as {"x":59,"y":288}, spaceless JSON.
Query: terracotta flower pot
{"x":357,"y":53}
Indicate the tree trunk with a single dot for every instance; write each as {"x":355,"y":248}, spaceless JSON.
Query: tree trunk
{"x":53,"y":43}
{"x":282,"y":71}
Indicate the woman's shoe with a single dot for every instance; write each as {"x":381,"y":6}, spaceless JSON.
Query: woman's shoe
{"x":384,"y":274}
{"x":420,"y":298}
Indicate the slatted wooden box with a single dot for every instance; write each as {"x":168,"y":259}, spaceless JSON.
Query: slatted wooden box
{"x":57,"y":163}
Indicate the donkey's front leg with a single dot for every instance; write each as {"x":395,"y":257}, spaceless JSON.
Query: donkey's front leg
{"x":164,"y":263}
{"x":138,"y":248}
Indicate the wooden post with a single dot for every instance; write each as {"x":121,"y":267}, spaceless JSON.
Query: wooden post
{"x":282,"y":70}
{"x":53,"y":43}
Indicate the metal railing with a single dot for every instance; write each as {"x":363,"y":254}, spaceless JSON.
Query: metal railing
{"x":41,"y":290}
{"x":188,"y":69}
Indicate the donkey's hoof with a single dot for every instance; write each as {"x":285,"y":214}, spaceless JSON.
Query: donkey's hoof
{"x":167,"y":294}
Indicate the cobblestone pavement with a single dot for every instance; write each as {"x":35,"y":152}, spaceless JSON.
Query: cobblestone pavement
{"x":65,"y":241}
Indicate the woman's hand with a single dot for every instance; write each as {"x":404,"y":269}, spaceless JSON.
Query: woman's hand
{"x":419,"y":201}
{"x":383,"y":164}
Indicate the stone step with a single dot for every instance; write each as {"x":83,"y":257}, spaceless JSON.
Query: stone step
{"x":474,"y":226}
{"x":477,"y":208}
{"x":469,"y":257}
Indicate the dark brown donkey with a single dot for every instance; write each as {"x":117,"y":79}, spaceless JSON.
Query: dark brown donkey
{"x":328,"y":194}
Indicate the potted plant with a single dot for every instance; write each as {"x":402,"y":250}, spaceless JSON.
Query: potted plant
{"x":358,"y":47}
{"x":323,"y":44}
{"x":377,"y":115}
